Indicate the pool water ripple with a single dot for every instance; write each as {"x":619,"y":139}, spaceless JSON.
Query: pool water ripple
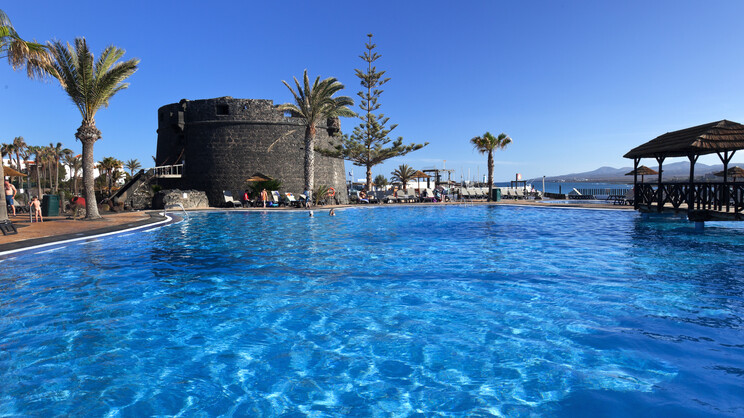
{"x":461,"y":311}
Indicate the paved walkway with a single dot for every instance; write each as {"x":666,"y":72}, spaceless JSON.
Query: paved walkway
{"x":59,"y":228}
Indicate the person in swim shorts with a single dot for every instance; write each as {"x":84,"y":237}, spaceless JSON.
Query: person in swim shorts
{"x":10,"y":192}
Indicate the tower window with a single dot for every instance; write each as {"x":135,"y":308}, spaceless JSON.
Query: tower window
{"x":222,"y":109}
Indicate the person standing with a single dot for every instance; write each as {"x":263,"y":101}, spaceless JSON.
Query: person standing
{"x":264,"y":197}
{"x":36,"y":209}
{"x":10,"y":192}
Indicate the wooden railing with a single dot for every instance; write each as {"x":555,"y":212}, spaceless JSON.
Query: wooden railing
{"x":705,"y":196}
{"x":169,"y":171}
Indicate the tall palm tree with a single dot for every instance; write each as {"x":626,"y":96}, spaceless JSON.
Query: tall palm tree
{"x":7,"y":149}
{"x":315,"y":103}
{"x":117,"y":172}
{"x":132,"y":166}
{"x":90,"y":84}
{"x":44,"y":157}
{"x":37,"y":152}
{"x":20,"y":148}
{"x":56,"y":152}
{"x":404,"y":173}
{"x":486,"y":144}
{"x":109,"y":167}
{"x":75,"y":163}
{"x":35,"y":57}
{"x":25,"y":153}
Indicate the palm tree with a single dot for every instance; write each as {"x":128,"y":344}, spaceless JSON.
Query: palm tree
{"x":90,"y":84}
{"x":105,"y":166}
{"x":486,"y":144}
{"x":46,"y":167}
{"x":35,"y":57}
{"x":404,"y":173}
{"x":25,"y":153}
{"x":315,"y":104}
{"x":132,"y":166}
{"x":75,"y":163}
{"x":20,"y":148}
{"x":56,"y":152}
{"x":7,"y":149}
{"x":38,"y":153}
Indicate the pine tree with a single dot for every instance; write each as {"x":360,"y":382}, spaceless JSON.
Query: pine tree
{"x":365,"y":147}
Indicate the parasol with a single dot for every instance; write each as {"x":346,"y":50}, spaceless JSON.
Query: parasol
{"x":733,"y":172}
{"x":642,"y":171}
{"x":10,"y":172}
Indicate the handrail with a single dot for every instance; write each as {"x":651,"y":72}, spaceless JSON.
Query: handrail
{"x":175,"y":170}
{"x":703,"y":196}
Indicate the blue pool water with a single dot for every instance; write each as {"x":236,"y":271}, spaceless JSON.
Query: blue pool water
{"x":394,"y":311}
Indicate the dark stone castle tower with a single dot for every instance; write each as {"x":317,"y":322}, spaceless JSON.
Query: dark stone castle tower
{"x":224,"y":141}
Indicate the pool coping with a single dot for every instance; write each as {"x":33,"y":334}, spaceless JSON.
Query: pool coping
{"x":156,"y":219}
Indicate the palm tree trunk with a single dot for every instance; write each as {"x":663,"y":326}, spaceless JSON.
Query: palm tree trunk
{"x":38,"y":178}
{"x":88,"y":134}
{"x":56,"y":175}
{"x":490,"y":174}
{"x":310,"y":160}
{"x":91,"y":206}
{"x":3,"y":207}
{"x":28,"y":182}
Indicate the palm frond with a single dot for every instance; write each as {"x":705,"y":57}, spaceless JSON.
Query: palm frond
{"x":91,"y":83}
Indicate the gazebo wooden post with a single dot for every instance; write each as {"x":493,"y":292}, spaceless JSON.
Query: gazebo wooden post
{"x":725,"y":159}
{"x":660,"y":188}
{"x":636,"y":192}
{"x":691,"y":193}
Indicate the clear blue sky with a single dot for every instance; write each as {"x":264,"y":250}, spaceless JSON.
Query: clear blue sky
{"x":575,"y":84}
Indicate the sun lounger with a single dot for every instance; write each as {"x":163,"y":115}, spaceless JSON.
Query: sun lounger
{"x":360,"y":200}
{"x":275,"y":198}
{"x":388,"y":197}
{"x":428,"y":196}
{"x":407,"y":196}
{"x":519,"y":193}
{"x":290,"y":200}
{"x":303,"y":200}
{"x":229,"y":201}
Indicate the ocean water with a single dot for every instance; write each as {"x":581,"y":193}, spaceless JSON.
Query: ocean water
{"x":393,"y":311}
{"x":566,"y":187}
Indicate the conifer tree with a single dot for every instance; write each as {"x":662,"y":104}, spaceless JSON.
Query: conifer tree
{"x":366,"y":146}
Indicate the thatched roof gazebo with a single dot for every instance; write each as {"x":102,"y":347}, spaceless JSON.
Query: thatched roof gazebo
{"x":723,"y":138}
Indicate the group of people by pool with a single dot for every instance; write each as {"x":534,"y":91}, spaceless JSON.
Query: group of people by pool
{"x":34,"y":204}
{"x":263,"y":198}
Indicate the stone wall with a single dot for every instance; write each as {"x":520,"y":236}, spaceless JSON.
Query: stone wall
{"x":189,"y":199}
{"x":224,"y":141}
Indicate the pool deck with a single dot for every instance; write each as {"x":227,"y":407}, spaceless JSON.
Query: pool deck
{"x":61,"y":228}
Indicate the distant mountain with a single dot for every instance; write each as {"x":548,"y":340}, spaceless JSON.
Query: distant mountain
{"x":673,"y":171}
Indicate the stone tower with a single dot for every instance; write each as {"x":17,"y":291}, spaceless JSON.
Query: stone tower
{"x":224,"y":141}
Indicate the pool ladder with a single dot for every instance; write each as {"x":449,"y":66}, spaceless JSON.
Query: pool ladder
{"x":175,"y":205}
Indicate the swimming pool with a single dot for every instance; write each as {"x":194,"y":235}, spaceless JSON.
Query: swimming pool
{"x":405,"y":311}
